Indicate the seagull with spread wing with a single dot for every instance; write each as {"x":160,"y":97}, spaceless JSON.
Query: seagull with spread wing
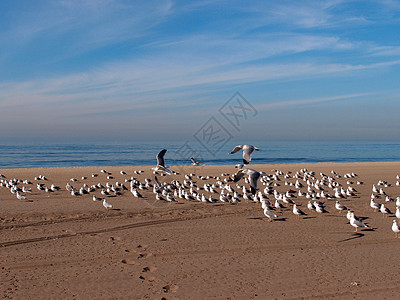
{"x":253,"y":177}
{"x":161,"y":163}
{"x":194,"y":162}
{"x":247,"y":152}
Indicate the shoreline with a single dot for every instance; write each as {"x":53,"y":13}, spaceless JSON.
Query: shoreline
{"x":204,"y":165}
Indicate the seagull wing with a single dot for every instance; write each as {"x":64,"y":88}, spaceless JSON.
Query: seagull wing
{"x":193,"y":160}
{"x":254,"y":176}
{"x":160,"y":158}
{"x":236,"y":149}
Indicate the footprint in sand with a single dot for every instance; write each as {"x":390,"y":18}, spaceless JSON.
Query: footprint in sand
{"x":170,"y":288}
{"x":144,"y":255}
{"x":130,"y":251}
{"x":128,"y":262}
{"x":148,"y":269}
{"x":149,"y":278}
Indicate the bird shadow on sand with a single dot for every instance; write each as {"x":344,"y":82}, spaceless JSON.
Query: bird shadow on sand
{"x":116,"y":209}
{"x":357,"y":235}
{"x":306,"y":218}
{"x":354,"y":236}
{"x":264,"y":218}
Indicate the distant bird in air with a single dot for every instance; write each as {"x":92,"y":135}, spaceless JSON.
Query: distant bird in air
{"x":161,"y":163}
{"x":247,"y":152}
{"x":194,"y":162}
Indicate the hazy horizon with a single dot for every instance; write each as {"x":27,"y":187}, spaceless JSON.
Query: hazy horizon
{"x":127,"y":71}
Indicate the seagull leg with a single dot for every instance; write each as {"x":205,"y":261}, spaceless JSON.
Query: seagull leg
{"x":356,"y":229}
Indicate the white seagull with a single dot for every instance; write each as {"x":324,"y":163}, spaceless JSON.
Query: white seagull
{"x":106,"y":204}
{"x":96,"y":198}
{"x":374,"y":205}
{"x":385,"y":210}
{"x":247,"y":152}
{"x":340,"y":206}
{"x":356,"y":222}
{"x":253,"y":177}
{"x":298,"y":212}
{"x":269,"y":214}
{"x":395,"y":229}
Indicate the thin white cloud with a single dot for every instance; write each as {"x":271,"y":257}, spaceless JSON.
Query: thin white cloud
{"x":286,"y":104}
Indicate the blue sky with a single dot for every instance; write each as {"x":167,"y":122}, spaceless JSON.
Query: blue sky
{"x":110,"y":70}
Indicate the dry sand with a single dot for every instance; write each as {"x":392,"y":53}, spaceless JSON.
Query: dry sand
{"x":58,"y":246}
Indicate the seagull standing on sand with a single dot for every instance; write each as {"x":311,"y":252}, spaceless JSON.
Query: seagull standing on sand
{"x":298,"y":212}
{"x":106,"y":204}
{"x":96,"y":198}
{"x":269,"y":214}
{"x":356,"y":222}
{"x":374,"y":205}
{"x":253,"y":177}
{"x":340,"y":206}
{"x":161,"y":163}
{"x":385,"y":210}
{"x":247,"y":152}
{"x":395,"y":229}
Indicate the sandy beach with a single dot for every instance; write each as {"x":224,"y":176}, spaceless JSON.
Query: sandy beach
{"x":55,"y":245}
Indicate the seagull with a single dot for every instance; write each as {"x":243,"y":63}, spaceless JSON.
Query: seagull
{"x":298,"y":212}
{"x":269,"y":214}
{"x":385,"y":210}
{"x":96,"y":198}
{"x":20,"y":197}
{"x":356,"y":222}
{"x":253,"y":177}
{"x":310,"y":206}
{"x":194,"y":162}
{"x":395,"y":229}
{"x":106,"y":204}
{"x":397,"y":212}
{"x":278,"y":205}
{"x":348,"y":215}
{"x":340,"y":206}
{"x":247,"y":152}
{"x":161,"y":163}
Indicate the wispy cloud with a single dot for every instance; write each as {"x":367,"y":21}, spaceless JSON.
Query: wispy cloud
{"x":91,"y":58}
{"x":298,"y":102}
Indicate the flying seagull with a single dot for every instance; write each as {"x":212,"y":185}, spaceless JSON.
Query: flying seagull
{"x":194,"y":162}
{"x":253,"y":177}
{"x":161,"y":163}
{"x":247,"y":152}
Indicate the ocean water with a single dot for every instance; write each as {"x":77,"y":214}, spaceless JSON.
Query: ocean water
{"x":71,"y":155}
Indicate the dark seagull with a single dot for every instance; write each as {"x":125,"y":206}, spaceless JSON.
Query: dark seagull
{"x":194,"y":162}
{"x":161,"y":163}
